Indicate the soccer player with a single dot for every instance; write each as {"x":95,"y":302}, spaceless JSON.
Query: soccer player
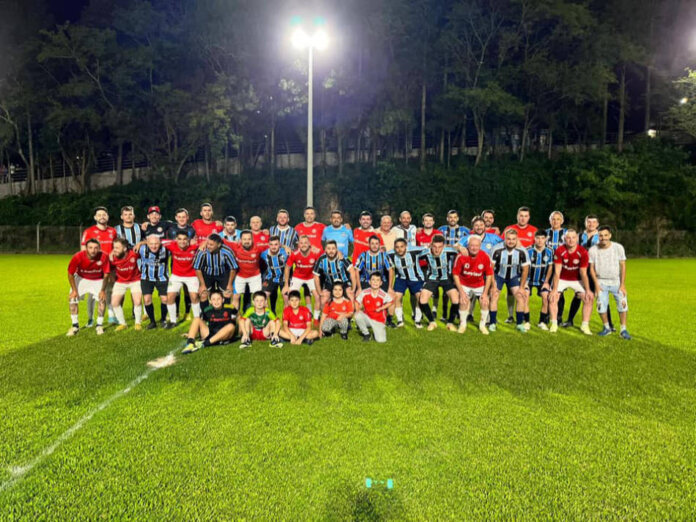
{"x":387,"y":232}
{"x":331,"y":269}
{"x":439,"y":260}
{"x":339,"y":233}
{"x":86,"y":273}
{"x":405,"y":229}
{"x":126,"y":274}
{"x":216,"y":268}
{"x":608,"y":271}
{"x":282,"y":229}
{"x":590,"y":235}
{"x":102,"y":232}
{"x":453,"y":231}
{"x":181,"y":224}
{"x":425,"y":235}
{"x":336,"y":313}
{"x":488,"y":217}
{"x":372,"y":304}
{"x":128,"y":229}
{"x":261,"y":236}
{"x":216,"y":325}
{"x":473,"y":277}
{"x":311,"y":228}
{"x":230,"y":233}
{"x":303,"y":260}
{"x":183,"y":253}
{"x":362,"y":234}
{"x":540,"y":277}
{"x":297,"y":321}
{"x":555,"y":232}
{"x":488,"y":240}
{"x":274,"y":259}
{"x":206,"y":226}
{"x":525,"y":231}
{"x":375,"y":261}
{"x":408,"y":276}
{"x":154,"y":260}
{"x":154,"y":226}
{"x":511,"y":267}
{"x":570,"y":271}
{"x":248,"y":256}
{"x":259,"y":324}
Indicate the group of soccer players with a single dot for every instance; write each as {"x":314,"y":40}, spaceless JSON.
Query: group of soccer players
{"x":231,"y":279}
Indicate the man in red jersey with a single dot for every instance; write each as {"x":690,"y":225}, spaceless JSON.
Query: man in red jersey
{"x":425,"y":235}
{"x":310,"y":228}
{"x":183,"y":253}
{"x":205,"y":226}
{"x":248,"y":256}
{"x":125,"y":275}
{"x":570,"y":263}
{"x":303,"y":260}
{"x":86,"y":277}
{"x":261,"y":236}
{"x":362,"y":234}
{"x":525,"y":231}
{"x":473,"y":276}
{"x":105,"y":234}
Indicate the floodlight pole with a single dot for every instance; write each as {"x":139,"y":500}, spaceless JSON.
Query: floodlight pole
{"x":310,"y":131}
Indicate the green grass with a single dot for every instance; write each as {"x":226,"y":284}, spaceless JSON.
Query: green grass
{"x":539,"y":426}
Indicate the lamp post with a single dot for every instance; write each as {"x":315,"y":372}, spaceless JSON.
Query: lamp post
{"x":301,"y":40}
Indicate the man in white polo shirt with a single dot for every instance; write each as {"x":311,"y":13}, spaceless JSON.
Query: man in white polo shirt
{"x":608,"y":272}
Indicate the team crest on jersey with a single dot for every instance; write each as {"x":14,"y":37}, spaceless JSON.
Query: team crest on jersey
{"x":99,"y":263}
{"x":480,"y":267}
{"x":466,"y":265}
{"x":159,"y":229}
{"x":576,"y":261}
{"x":132,"y":261}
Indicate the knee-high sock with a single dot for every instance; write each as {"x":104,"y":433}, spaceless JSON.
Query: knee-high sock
{"x":418,"y":314}
{"x":445,"y":304}
{"x":138,"y":312}
{"x":453,"y":313}
{"x":561,"y":307}
{"x":187,"y":301}
{"x":399,"y":312}
{"x":574,"y":307}
{"x":150,"y":311}
{"x":414,"y":303}
{"x":163,"y":312}
{"x":173,"y":316}
{"x":118,"y":314}
{"x":196,"y":307}
{"x":427,"y":312}
{"x":510,"y":305}
{"x":484,"y":317}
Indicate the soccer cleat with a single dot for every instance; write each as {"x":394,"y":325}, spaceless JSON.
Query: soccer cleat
{"x":613,"y":329}
{"x":90,"y":323}
{"x":309,"y":342}
{"x":432,"y":326}
{"x":169,"y":326}
{"x":451,"y":327}
{"x":566,"y":324}
{"x":189,"y":317}
{"x":605,"y":332}
{"x":625,"y":335}
{"x":366,"y":338}
{"x":400,"y":324}
{"x":100,"y":330}
{"x":586,"y":329}
{"x":276,"y":343}
{"x":163,"y":324}
{"x":527,"y":326}
{"x":189,"y":348}
{"x":553,"y":328}
{"x":462,"y":327}
{"x":390,"y":324}
{"x":138,"y":326}
{"x":199,"y":345}
{"x":470,"y":318}
{"x":344,"y":336}
{"x":73,"y":331}
{"x":509,"y":320}
{"x":493,"y":327}
{"x":121,"y":327}
{"x":542,"y":326}
{"x":483,"y":329}
{"x":244,"y":344}
{"x":113,"y":320}
{"x":418,"y":325}
{"x":151,"y":326}
{"x":520,"y":328}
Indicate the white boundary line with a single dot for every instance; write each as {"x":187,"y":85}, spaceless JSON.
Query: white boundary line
{"x":19,"y":472}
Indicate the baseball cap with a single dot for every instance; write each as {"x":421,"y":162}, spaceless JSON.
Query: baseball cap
{"x":153,"y":209}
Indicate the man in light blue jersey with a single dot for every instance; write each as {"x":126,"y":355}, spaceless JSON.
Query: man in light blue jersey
{"x":338,"y":232}
{"x":452,"y":232}
{"x":230,"y":232}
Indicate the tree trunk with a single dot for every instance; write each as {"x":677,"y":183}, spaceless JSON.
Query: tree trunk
{"x":648,"y":72}
{"x":358,"y":149}
{"x":374,"y":149}
{"x":31,"y":172}
{"x":441,"y":152}
{"x":605,"y":115}
{"x":119,"y":164}
{"x":481,"y":135}
{"x":424,"y":94}
{"x":449,"y":149}
{"x":622,"y":108}
{"x":339,"y":150}
{"x":549,"y":153}
{"x":206,"y":159}
{"x":227,"y":153}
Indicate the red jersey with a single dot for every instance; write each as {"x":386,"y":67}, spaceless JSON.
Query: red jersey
{"x":203,"y":229}
{"x":333,"y":309}
{"x":105,"y":237}
{"x":423,"y":239}
{"x":493,"y":230}
{"x":261,"y":239}
{"x":472,"y":271}
{"x":361,"y":241}
{"x":249,"y":261}
{"x":370,"y":303}
{"x":524,"y":235}
{"x":571,"y":263}
{"x":86,"y":268}
{"x":182,"y":260}
{"x":313,"y":232}
{"x":126,"y":268}
{"x":297,"y":320}
{"x":304,"y":264}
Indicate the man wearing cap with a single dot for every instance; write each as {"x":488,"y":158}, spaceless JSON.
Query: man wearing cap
{"x":230,"y":232}
{"x":205,"y":226}
{"x":154,"y":226}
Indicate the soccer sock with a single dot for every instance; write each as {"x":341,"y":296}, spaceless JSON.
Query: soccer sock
{"x":453,"y":312}
{"x":100,"y":320}
{"x":150,"y":311}
{"x":74,"y":319}
{"x":484,"y":317}
{"x":414,"y":304}
{"x":190,"y":340}
{"x":520,"y":318}
{"x":390,"y":318}
{"x":623,"y":327}
{"x":427,"y":312}
{"x":196,"y":307}
{"x":187,"y":303}
{"x":606,"y":326}
{"x":206,"y":341}
{"x":462,"y":315}
{"x":418,"y":315}
{"x":118,"y":314}
{"x":542,"y":317}
{"x":173,"y":316}
{"x":273,"y":300}
{"x":574,"y":307}
{"x":526,"y":317}
{"x":111,"y":311}
{"x":494,"y":316}
{"x":317,"y":314}
{"x":138,"y":312}
{"x":561,"y":307}
{"x":445,"y":304}
{"x":163,"y":312}
{"x":585,"y":323}
{"x":399,"y":312}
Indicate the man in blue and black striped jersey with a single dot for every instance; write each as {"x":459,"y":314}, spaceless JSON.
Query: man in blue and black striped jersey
{"x":405,"y":229}
{"x":510,"y":267}
{"x":129,"y":229}
{"x":215,"y":268}
{"x":286,"y":234}
{"x":274,"y":259}
{"x":540,"y":274}
{"x":154,"y":274}
{"x":439,"y":260}
{"x":452,"y":232}
{"x":555,"y":233}
{"x":409,"y":276}
{"x":230,"y":232}
{"x":375,"y":261}
{"x":329,"y":269}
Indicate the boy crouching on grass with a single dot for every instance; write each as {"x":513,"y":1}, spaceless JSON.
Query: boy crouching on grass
{"x":259,"y":324}
{"x":297,"y":322}
{"x":215,"y":326}
{"x":337,"y":313}
{"x":372,"y":304}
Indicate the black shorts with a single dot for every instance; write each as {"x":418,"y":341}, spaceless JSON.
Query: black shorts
{"x":271,"y":287}
{"x":216,"y":282}
{"x":215,"y":329}
{"x":148,"y":287}
{"x":433,"y":286}
{"x":539,"y":288}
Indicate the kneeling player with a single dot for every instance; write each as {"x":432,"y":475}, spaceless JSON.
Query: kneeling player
{"x":125,"y":271}
{"x":86,"y":277}
{"x":216,"y":325}
{"x":372,"y":306}
{"x":473,"y":277}
{"x":336,"y":313}
{"x":297,"y":322}
{"x":259,"y":324}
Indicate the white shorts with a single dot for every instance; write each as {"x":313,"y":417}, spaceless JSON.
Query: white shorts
{"x":575,"y":286}
{"x":473,"y":292}
{"x":297,"y":284}
{"x":254,"y":284}
{"x":297,"y":332}
{"x":88,"y":286}
{"x":176,"y":282}
{"x":121,"y":288}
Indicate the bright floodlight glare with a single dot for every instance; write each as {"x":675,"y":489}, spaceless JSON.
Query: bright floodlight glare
{"x":683,"y":101}
{"x":320,"y":40}
{"x":300,"y":39}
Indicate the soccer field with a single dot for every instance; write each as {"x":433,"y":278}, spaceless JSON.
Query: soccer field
{"x":510,"y":426}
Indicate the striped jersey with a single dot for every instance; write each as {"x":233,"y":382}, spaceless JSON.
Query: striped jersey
{"x":333,"y":269}
{"x":409,"y":234}
{"x":554,"y":238}
{"x":215,"y":263}
{"x":132,"y":234}
{"x":508,"y":263}
{"x":588,"y":241}
{"x":288,"y":236}
{"x":274,"y":265}
{"x":234,"y":237}
{"x":439,"y":268}
{"x":407,"y":266}
{"x":540,"y":264}
{"x":453,"y":234}
{"x":368,"y":263}
{"x":153,"y":265}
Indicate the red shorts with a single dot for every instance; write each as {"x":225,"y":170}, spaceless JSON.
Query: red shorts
{"x":258,"y":335}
